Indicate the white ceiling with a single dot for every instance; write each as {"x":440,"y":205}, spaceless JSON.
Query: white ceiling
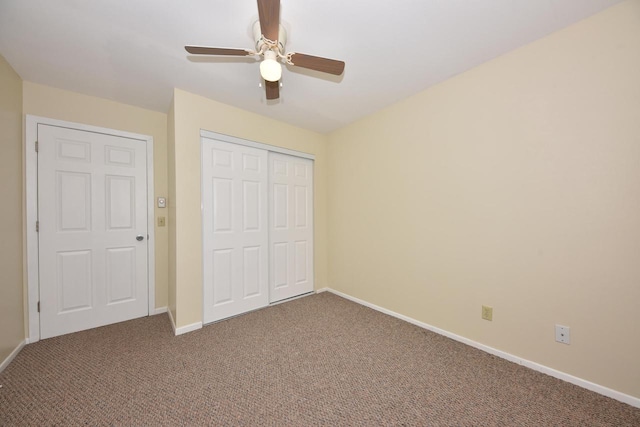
{"x":132,"y":51}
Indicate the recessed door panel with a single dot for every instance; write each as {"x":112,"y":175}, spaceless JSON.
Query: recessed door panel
{"x":280,"y":206}
{"x":251,"y":194}
{"x":251,"y":162}
{"x":92,"y":198}
{"x":119,"y":156}
{"x":73,"y":201}
{"x":121,"y":274}
{"x":280,"y":264}
{"x":120,"y":202}
{"x":300,"y":170}
{"x":251,"y":271}
{"x":301,"y":213}
{"x":75,"y":281}
{"x":75,"y":151}
{"x":300,"y":260}
{"x":222,"y":276}
{"x":279,"y":167}
{"x":222,"y":205}
{"x":222,"y":158}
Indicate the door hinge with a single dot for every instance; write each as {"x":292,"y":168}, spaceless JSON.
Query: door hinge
{"x":38,"y":306}
{"x":36,"y":146}
{"x":37,"y":226}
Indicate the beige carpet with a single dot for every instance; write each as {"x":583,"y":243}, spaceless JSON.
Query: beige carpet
{"x":319,"y":360}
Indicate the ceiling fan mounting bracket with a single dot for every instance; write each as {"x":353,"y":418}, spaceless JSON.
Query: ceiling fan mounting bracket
{"x":263,"y":44}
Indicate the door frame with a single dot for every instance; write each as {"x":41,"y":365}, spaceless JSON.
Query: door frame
{"x":31,"y":205}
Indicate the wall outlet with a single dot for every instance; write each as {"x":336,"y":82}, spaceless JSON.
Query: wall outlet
{"x":563,"y":334}
{"x":487,"y":313}
{"x":161,"y":221}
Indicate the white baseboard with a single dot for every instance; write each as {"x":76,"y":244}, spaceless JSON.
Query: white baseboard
{"x":12,"y":355}
{"x":605,"y":391}
{"x":159,"y":310}
{"x":321,"y":290}
{"x":173,"y":322}
{"x":188,"y":328}
{"x":183,"y":329}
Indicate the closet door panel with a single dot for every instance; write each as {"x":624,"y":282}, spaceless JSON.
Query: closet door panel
{"x":235,"y":229}
{"x":291,"y":226}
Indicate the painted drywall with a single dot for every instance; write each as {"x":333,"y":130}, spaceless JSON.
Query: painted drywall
{"x":193,"y":113}
{"x":515,"y":185}
{"x":45,"y":101}
{"x":171,"y":205}
{"x":11,"y":211}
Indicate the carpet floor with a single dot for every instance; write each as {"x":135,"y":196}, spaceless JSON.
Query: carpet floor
{"x":318,"y":360}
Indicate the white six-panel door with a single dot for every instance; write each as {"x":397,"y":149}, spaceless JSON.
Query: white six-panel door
{"x":92,"y":212}
{"x":291,"y":226}
{"x":235,"y":229}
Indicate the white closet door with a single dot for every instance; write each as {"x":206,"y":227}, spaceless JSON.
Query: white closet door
{"x":235,"y":229}
{"x":92,"y":211}
{"x":291,"y":226}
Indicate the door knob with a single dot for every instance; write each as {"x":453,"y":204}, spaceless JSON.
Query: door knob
{"x":139,"y":237}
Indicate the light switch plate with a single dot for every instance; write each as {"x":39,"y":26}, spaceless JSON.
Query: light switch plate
{"x":162,"y":202}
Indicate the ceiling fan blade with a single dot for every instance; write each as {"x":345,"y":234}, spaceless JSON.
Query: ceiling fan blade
{"x":202,"y":50}
{"x":317,"y":63}
{"x":269,"y":13}
{"x":272,"y":89}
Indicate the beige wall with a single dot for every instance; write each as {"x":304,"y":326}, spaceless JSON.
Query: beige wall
{"x":59,"y":104}
{"x":11,"y":248}
{"x":193,"y":113}
{"x":515,"y":185}
{"x":171,"y":204}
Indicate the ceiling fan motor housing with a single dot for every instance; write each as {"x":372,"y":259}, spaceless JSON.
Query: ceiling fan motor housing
{"x":257,"y":36}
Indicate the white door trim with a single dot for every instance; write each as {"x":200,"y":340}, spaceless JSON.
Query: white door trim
{"x":31,"y":188}
{"x":248,"y":143}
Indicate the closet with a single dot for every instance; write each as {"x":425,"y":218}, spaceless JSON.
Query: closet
{"x":257,"y":224}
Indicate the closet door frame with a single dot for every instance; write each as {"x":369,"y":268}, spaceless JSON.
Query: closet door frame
{"x":269,"y":148}
{"x":260,"y":145}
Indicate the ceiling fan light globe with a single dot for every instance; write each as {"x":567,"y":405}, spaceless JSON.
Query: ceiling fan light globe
{"x":271,"y":70}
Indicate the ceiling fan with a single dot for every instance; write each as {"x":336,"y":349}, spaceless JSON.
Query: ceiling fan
{"x":270,"y":39}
